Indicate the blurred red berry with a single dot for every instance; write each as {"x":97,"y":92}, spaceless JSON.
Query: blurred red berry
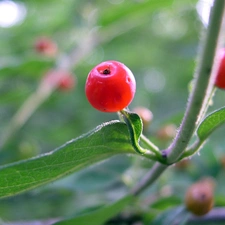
{"x":167,"y":132}
{"x":145,"y":114}
{"x":63,"y":80}
{"x":66,"y":83}
{"x":220,"y":77}
{"x":46,"y":46}
{"x":199,"y":197}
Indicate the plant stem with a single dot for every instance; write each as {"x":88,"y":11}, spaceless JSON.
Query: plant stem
{"x":202,"y":86}
{"x":192,"y":149}
{"x":149,"y":178}
{"x":152,"y":147}
{"x":25,"y":111}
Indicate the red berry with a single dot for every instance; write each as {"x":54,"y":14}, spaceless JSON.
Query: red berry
{"x":60,"y":79}
{"x":167,"y":132}
{"x":199,"y":197}
{"x":220,"y":77}
{"x":145,"y":114}
{"x":66,"y":83}
{"x":46,"y":46}
{"x":110,"y":86}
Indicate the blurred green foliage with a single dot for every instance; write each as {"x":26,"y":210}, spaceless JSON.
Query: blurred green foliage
{"x":158,"y":41}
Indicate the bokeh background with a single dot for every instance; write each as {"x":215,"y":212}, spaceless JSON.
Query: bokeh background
{"x":158,"y":40}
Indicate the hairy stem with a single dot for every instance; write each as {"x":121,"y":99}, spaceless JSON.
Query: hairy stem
{"x":149,"y":178}
{"x":201,"y":88}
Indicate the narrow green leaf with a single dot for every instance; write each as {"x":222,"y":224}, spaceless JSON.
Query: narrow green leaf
{"x":210,"y":123}
{"x":135,"y":126}
{"x":99,"y":216}
{"x":166,"y":202}
{"x":103,"y":142}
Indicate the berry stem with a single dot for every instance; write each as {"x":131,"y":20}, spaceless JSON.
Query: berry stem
{"x":152,"y":147}
{"x":196,"y":99}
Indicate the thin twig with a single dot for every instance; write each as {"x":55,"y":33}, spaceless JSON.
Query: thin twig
{"x":149,"y":178}
{"x":25,"y":111}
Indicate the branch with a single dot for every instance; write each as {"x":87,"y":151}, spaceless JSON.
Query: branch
{"x":149,"y":178}
{"x":215,"y":215}
{"x":203,"y":85}
{"x":198,"y":96}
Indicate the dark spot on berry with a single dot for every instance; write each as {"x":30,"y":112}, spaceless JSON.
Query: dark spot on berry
{"x":203,"y":196}
{"x":106,"y":71}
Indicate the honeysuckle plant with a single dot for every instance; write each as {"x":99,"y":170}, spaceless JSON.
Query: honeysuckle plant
{"x":124,"y":135}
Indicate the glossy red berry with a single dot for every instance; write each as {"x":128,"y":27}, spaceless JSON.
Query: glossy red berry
{"x":110,"y":86}
{"x":60,"y":79}
{"x":220,"y":77}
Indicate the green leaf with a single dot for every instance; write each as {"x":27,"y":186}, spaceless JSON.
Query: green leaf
{"x":106,"y":140}
{"x":210,"y":123}
{"x":166,"y":202}
{"x":99,"y":216}
{"x":104,"y":176}
{"x":135,"y":127}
